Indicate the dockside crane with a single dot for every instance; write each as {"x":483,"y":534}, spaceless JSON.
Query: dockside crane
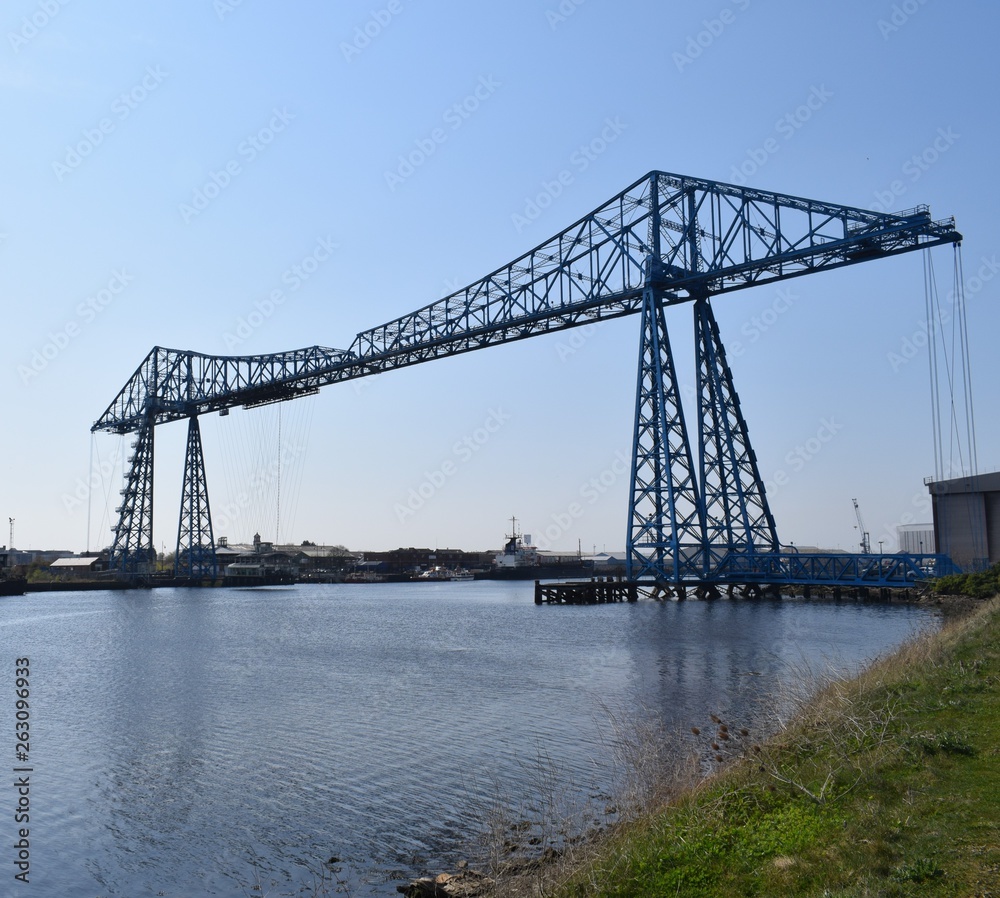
{"x":866,"y":546}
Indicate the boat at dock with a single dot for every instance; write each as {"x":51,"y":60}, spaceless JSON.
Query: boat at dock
{"x":442,"y":573}
{"x":520,"y":560}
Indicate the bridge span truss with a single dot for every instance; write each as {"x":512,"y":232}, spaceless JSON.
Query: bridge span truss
{"x":698,"y":511}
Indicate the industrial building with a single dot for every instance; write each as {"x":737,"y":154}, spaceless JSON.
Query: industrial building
{"x":967,"y":519}
{"x":916,"y":539}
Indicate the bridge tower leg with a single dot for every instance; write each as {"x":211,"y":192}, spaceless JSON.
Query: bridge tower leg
{"x":737,"y":515}
{"x":132,"y":552}
{"x":665,"y":513}
{"x":195,"y":556}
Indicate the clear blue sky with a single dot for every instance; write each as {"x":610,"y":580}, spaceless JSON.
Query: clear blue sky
{"x":184,"y":158}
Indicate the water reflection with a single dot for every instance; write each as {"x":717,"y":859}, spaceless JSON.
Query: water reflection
{"x":193,"y":740}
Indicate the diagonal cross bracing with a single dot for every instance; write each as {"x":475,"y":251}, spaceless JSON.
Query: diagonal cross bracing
{"x":710,"y":238}
{"x":195,"y":556}
{"x":666,"y":518}
{"x":665,"y":239}
{"x":737,"y":515}
{"x":132,"y":552}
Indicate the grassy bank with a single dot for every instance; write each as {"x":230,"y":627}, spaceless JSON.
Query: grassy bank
{"x":886,"y":785}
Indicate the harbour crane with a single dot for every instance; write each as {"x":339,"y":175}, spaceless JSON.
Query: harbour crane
{"x":866,"y":545}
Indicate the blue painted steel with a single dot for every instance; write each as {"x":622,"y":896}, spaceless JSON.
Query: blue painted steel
{"x":665,"y":239}
{"x":737,"y":515}
{"x":706,"y":237}
{"x":132,"y":553}
{"x":666,"y":518}
{"x":821,"y":569}
{"x":195,"y":556}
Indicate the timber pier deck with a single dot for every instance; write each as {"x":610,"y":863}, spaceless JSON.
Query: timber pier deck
{"x":585,"y":592}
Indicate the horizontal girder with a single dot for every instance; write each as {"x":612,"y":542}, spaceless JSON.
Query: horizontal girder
{"x":833,"y":569}
{"x":710,"y":238}
{"x":171,"y":384}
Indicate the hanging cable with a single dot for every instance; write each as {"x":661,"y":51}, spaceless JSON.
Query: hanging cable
{"x":952,"y":356}
{"x":929,"y":306}
{"x":970,"y":415}
{"x":277,"y":517}
{"x":90,"y":487}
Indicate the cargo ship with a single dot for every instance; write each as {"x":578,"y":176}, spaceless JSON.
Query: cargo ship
{"x":520,"y":560}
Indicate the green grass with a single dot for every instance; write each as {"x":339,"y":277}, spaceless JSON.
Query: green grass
{"x":887,"y":785}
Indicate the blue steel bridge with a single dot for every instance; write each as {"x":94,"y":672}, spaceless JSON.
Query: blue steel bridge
{"x":698,"y":514}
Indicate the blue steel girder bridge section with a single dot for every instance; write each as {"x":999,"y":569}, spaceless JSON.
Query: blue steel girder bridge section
{"x":698,"y":512}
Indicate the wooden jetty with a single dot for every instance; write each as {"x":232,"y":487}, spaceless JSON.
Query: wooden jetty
{"x":585,"y":592}
{"x":600,"y":591}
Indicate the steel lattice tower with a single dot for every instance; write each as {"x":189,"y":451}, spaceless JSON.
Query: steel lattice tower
{"x":666,"y":239}
{"x":132,"y":551}
{"x":665,"y":520}
{"x":195,"y":557}
{"x":737,"y":516}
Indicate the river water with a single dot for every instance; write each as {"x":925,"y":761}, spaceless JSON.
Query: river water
{"x":199,"y":742}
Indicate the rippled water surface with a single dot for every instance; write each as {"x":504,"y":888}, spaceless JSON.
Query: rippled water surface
{"x":185,"y":742}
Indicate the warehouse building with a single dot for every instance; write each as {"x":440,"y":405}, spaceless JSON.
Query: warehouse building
{"x":967,"y":519}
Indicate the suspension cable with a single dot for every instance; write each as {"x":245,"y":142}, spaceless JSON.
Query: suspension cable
{"x":90,"y":487}
{"x":277,"y":519}
{"x":970,"y":416}
{"x":929,"y":308}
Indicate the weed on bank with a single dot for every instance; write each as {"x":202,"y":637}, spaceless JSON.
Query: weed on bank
{"x":886,"y":785}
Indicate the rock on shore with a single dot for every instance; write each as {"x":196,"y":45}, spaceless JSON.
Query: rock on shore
{"x":466,"y":884}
